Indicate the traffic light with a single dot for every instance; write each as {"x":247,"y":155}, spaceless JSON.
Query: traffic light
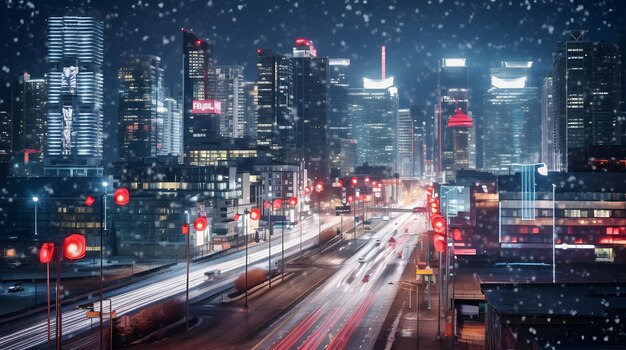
{"x":277,"y":203}
{"x":339,"y":183}
{"x":200,"y":224}
{"x":74,"y":246}
{"x":354,"y":181}
{"x":121,"y":197}
{"x":255,"y":214}
{"x":439,"y":223}
{"x":266,"y":205}
{"x":185,"y":229}
{"x":439,"y":240}
{"x":307,"y":190}
{"x":350,"y":199}
{"x":46,"y":252}
{"x":457,"y":235}
{"x":319,"y":187}
{"x":367,"y":179}
{"x":89,"y":201}
{"x":236,"y":216}
{"x":293,"y":201}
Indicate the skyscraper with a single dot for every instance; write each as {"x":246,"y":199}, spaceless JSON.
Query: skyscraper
{"x":373,"y":110}
{"x":586,"y":96}
{"x":424,"y":140}
{"x":140,"y":96}
{"x":226,"y":86}
{"x":452,"y":94}
{"x":275,"y":113}
{"x":405,"y":145}
{"x":339,"y":124}
{"x":251,"y":95}
{"x":311,"y":83}
{"x":511,"y":114}
{"x":171,"y":130}
{"x":35,"y":124}
{"x":75,"y":96}
{"x":548,"y":131}
{"x":201,"y":124}
{"x":6,"y":144}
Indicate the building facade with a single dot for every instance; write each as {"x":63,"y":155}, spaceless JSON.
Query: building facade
{"x":586,"y":95}
{"x":226,"y":86}
{"x":75,"y":96}
{"x":405,"y":144}
{"x":548,"y":126}
{"x":35,"y":123}
{"x":512,"y":119}
{"x":140,"y":106}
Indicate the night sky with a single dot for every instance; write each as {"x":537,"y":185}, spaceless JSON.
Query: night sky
{"x":416,"y":33}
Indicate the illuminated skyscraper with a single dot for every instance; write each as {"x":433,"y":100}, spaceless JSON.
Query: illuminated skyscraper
{"x":140,"y":96}
{"x":311,"y":86}
{"x":548,"y":130}
{"x":452,"y":94}
{"x":75,"y":96}
{"x":171,"y":130}
{"x":201,"y":124}
{"x":405,"y":144}
{"x":226,"y":86}
{"x":374,"y":114}
{"x":275,"y":113}
{"x":34,"y":100}
{"x":251,"y":95}
{"x":586,"y":96}
{"x":512,"y":118}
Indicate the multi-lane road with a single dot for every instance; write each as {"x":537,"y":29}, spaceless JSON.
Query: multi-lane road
{"x":31,"y":332}
{"x":348,"y":311}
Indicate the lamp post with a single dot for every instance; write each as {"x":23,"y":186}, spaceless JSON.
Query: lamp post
{"x":319,"y":187}
{"x":553,"y":233}
{"x":35,"y":200}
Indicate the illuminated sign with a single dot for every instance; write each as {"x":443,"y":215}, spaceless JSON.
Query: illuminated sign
{"x":377,"y":83}
{"x":206,"y":107}
{"x":454,"y":62}
{"x":339,"y":62}
{"x":508,"y":83}
{"x":518,"y":64}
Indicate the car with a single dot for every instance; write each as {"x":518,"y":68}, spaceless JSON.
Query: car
{"x":366,"y":278}
{"x":377,"y":242}
{"x":17,"y":287}
{"x":362,"y":259}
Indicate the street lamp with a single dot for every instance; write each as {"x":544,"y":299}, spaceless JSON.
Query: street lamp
{"x":445,"y":191}
{"x":255,"y":214}
{"x":319,"y":187}
{"x":35,"y":200}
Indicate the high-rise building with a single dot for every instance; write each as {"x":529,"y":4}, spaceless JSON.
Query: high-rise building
{"x":275,"y":113}
{"x":339,"y":124}
{"x":424,"y":140}
{"x":251,"y":95}
{"x":452,"y":94}
{"x":311,"y":84}
{"x":140,"y":96}
{"x":374,"y":114}
{"x":201,"y":124}
{"x":512,"y":118}
{"x":171,"y":130}
{"x":6,"y":136}
{"x":621,"y":44}
{"x":35,"y":124}
{"x":586,"y":96}
{"x":405,"y":145}
{"x":461,"y":126}
{"x":75,"y":96}
{"x":548,"y":130}
{"x":226,"y":86}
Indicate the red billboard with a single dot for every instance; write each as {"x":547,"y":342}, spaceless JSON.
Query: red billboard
{"x":206,"y":107}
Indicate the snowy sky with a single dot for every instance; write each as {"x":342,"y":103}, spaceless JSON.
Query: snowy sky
{"x":416,"y":34}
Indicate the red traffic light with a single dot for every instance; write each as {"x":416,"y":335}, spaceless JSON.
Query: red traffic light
{"x":185,"y":229}
{"x":439,"y":241}
{"x":266,"y":205}
{"x":74,"y":246}
{"x":350,"y":198}
{"x":277,"y":203}
{"x":367,"y":179}
{"x":46,"y":252}
{"x":438,"y":223}
{"x":457,"y":235}
{"x":89,"y":201}
{"x":339,"y":183}
{"x":200,"y":224}
{"x":319,"y":187}
{"x":434,"y":210}
{"x":255,"y":214}
{"x":307,"y":190}
{"x":293,"y":201}
{"x":354,"y":180}
{"x":121,"y":197}
{"x":236,"y":216}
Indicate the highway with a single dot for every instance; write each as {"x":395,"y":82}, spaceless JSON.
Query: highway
{"x":31,"y":332}
{"x":347,"y":312}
